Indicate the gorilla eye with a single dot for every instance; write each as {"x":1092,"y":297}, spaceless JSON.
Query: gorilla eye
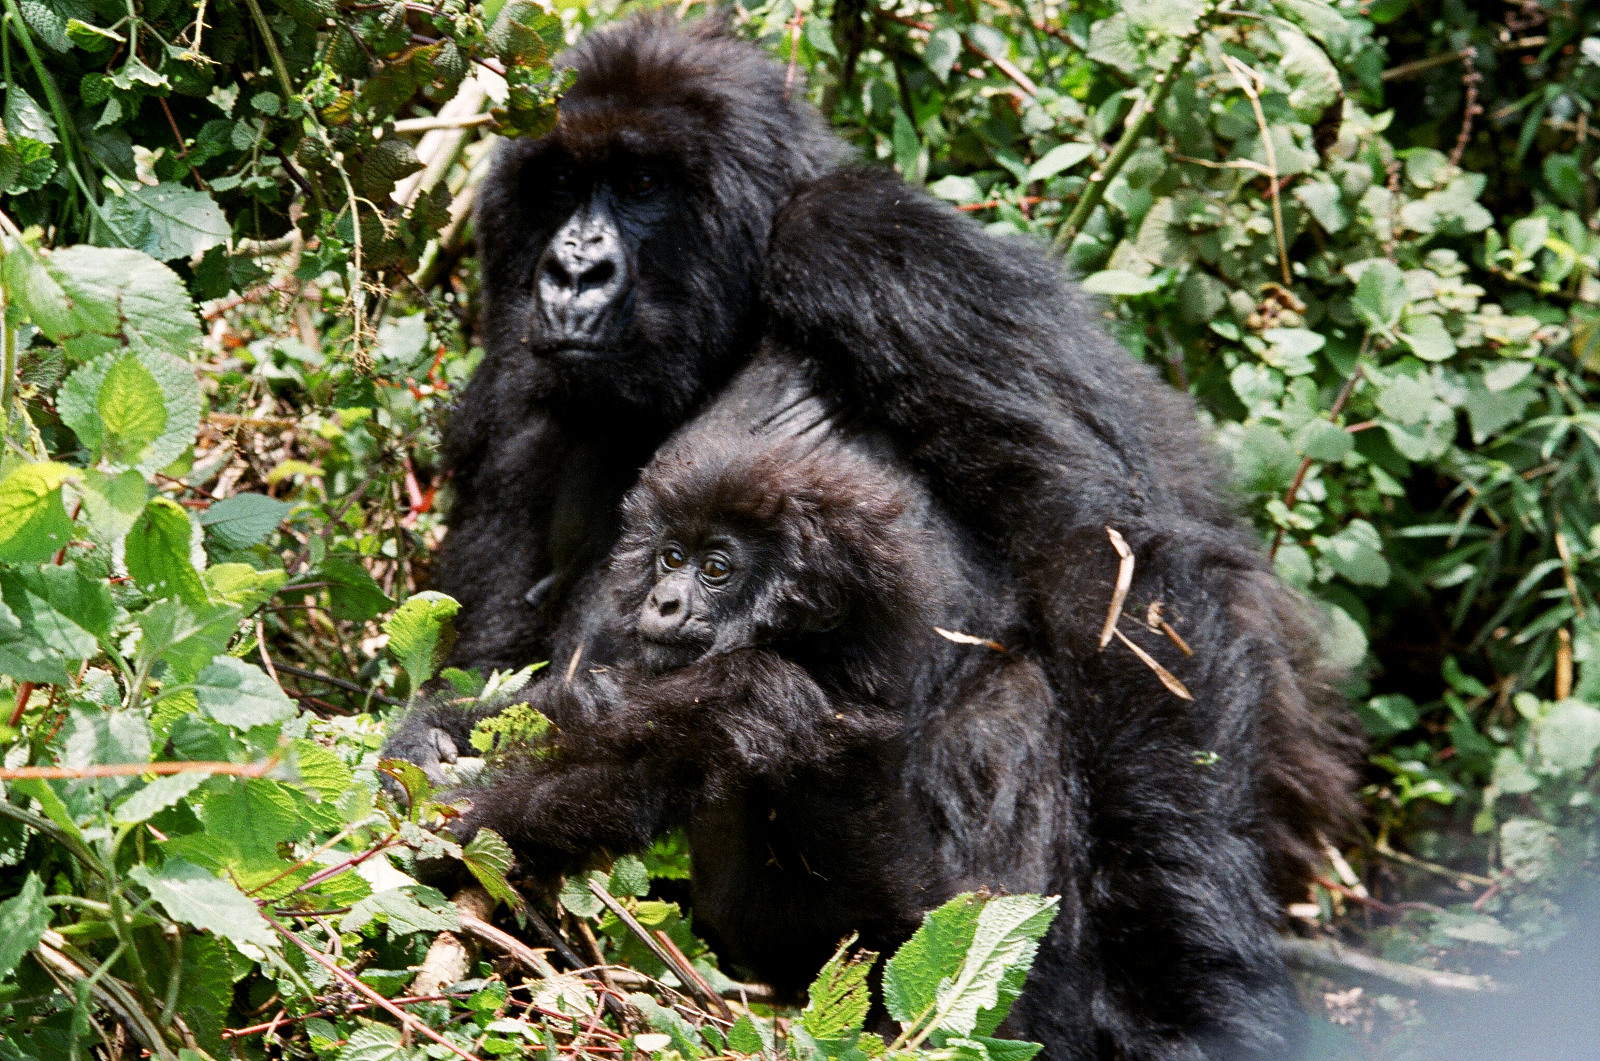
{"x":672,"y":558}
{"x":716,"y":569}
{"x":641,"y":183}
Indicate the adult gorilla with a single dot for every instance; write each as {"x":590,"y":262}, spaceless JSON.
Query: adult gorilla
{"x":685,"y":212}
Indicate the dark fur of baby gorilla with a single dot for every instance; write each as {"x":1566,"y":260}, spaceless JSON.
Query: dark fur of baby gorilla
{"x":772,"y":681}
{"x":688,"y":212}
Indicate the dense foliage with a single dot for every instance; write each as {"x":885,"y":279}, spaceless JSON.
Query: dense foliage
{"x":1364,"y":235}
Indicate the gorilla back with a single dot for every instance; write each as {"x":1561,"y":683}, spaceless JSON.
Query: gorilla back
{"x":685,"y":212}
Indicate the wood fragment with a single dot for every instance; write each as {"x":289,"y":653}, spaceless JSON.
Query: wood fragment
{"x":450,"y":956}
{"x":968,"y":639}
{"x":1174,"y":686}
{"x":507,"y":944}
{"x":1124,"y":583}
{"x":1326,"y":957}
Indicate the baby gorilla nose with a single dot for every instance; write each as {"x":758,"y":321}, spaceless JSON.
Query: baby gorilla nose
{"x":663,"y":615}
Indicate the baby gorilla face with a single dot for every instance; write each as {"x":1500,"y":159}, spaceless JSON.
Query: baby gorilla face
{"x":699,"y":600}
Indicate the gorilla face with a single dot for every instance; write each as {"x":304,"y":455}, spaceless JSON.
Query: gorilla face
{"x":701,"y":600}
{"x":622,"y":252}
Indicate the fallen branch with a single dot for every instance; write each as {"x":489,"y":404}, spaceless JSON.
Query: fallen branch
{"x":1325,"y":957}
{"x":691,"y":980}
{"x":73,"y":773}
{"x":507,"y":944}
{"x":450,"y":957}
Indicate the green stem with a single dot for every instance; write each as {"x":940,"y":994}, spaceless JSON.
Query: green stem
{"x":54,"y":832}
{"x":279,"y":67}
{"x":1095,"y":190}
{"x":122,"y":924}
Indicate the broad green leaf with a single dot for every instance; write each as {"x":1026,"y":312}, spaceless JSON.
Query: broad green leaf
{"x":1427,"y":336}
{"x":37,"y":642}
{"x":256,"y":814}
{"x":629,"y":877}
{"x":176,"y":221}
{"x":191,"y":895}
{"x":82,"y":291}
{"x":25,"y":118}
{"x":489,"y":858}
{"x":577,"y":899}
{"x":139,"y":409}
{"x":243,"y":520}
{"x":406,"y":909}
{"x":240,"y":695}
{"x":1322,"y":440}
{"x":23,"y":919}
{"x":34,"y":524}
{"x":1380,"y":295}
{"x":746,"y":1036}
{"x":1057,"y":159}
{"x":112,"y":503}
{"x":132,"y":412}
{"x":243,"y":586}
{"x":1569,"y":736}
{"x":838,"y":996}
{"x":352,"y":594}
{"x":420,"y":633}
{"x":376,"y":1042}
{"x":162,"y":550}
{"x":931,"y":956}
{"x":944,"y":48}
{"x":1289,"y":349}
{"x":1356,"y":552}
{"x":157,"y":796}
{"x":207,"y":992}
{"x":1119,"y":282}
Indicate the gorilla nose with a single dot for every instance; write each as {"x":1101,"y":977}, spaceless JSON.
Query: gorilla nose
{"x":663,"y":615}
{"x":583,"y":275}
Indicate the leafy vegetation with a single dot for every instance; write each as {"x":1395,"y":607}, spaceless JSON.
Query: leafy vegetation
{"x":1365,"y":236}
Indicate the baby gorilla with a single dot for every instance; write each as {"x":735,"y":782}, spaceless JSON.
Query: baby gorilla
{"x":764,"y":680}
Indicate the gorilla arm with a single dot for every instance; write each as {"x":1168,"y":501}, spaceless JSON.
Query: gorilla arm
{"x":653,"y":743}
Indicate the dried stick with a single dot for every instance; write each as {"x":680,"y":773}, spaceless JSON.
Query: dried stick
{"x":695,"y":985}
{"x":1325,"y":957}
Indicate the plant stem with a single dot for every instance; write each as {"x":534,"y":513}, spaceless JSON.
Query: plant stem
{"x":1134,"y":129}
{"x":279,"y":67}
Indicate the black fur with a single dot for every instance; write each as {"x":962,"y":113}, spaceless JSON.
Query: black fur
{"x":987,"y":376}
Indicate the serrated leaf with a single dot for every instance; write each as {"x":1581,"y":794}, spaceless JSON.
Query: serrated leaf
{"x":175,"y":221}
{"x":157,"y":796}
{"x":839,"y":998}
{"x":420,"y":633}
{"x":629,"y":877}
{"x":83,"y":290}
{"x":352,"y":593}
{"x":375,"y":1042}
{"x":406,"y":909}
{"x":243,"y":520}
{"x":23,"y":919}
{"x":139,"y":408}
{"x":578,"y":900}
{"x":37,"y":642}
{"x":191,"y":895}
{"x":240,"y":695}
{"x":256,"y":814}
{"x":112,"y":503}
{"x":745,"y":1037}
{"x":160,"y":552}
{"x":25,"y":118}
{"x":33,"y":520}
{"x":489,"y":858}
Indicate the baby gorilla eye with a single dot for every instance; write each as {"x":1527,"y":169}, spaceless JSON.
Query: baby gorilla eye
{"x":717,"y":569}
{"x":641,"y":183}
{"x":673,"y":558}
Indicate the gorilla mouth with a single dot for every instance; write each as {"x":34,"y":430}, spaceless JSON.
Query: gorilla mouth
{"x":664,"y":655}
{"x":576,"y":349}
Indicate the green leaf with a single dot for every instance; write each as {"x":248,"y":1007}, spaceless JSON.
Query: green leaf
{"x":23,"y":919}
{"x":489,"y":858}
{"x":745,"y":1037}
{"x":406,"y":909}
{"x":256,"y":814}
{"x":960,"y":971}
{"x":421,"y":632}
{"x":140,"y":408}
{"x":839,"y":995}
{"x":191,"y":895}
{"x":375,"y":1042}
{"x":157,"y":796}
{"x":240,"y":695}
{"x":352,"y":593}
{"x":1119,"y":282}
{"x":1569,"y":736}
{"x":1380,"y":295}
{"x":175,"y":221}
{"x":1290,"y":349}
{"x":629,"y":877}
{"x":1322,"y":440}
{"x":944,"y":48}
{"x":38,"y":643}
{"x":577,"y":899}
{"x":162,"y":553}
{"x":1057,"y":159}
{"x":112,"y":503}
{"x":1427,"y":336}
{"x":84,"y":291}
{"x":1356,"y":552}
{"x":25,"y":118}
{"x":243,"y":520}
{"x":33,"y":520}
